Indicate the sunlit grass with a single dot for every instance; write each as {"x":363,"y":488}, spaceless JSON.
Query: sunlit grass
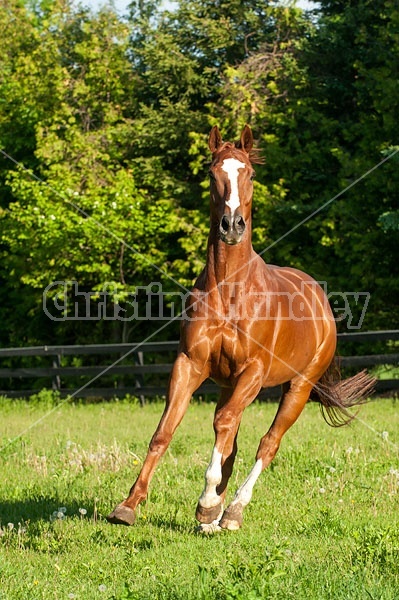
{"x":323,"y":522}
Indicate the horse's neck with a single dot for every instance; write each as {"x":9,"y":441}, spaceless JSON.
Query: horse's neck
{"x":228,"y":263}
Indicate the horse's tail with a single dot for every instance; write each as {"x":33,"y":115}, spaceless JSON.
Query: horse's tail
{"x":337,"y":395}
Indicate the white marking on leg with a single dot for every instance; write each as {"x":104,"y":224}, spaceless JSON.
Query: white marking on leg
{"x":244,"y":493}
{"x":231,"y":166}
{"x":213,"y":477}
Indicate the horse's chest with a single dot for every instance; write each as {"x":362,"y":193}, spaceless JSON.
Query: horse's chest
{"x":228,"y":354}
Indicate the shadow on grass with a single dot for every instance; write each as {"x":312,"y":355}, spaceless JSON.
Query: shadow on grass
{"x":38,"y":509}
{"x":171,"y":521}
{"x":41,"y":508}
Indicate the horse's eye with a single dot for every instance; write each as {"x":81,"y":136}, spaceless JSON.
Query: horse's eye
{"x":253,"y":175}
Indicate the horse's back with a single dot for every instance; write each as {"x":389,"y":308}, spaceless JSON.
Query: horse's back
{"x":297,"y":286}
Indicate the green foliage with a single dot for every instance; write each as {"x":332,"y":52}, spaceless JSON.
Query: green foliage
{"x":348,"y":74}
{"x":109,"y":122}
{"x":81,"y":215}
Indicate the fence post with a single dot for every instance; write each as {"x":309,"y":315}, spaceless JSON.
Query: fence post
{"x":139,"y":360}
{"x":56,"y":379}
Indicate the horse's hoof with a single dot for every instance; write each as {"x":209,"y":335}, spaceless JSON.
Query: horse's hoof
{"x":122,"y":515}
{"x":208,"y":528}
{"x":232,"y":518}
{"x":208,"y":515}
{"x":230,"y":524}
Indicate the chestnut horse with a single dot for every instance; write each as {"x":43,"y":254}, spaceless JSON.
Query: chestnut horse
{"x":247,"y":325}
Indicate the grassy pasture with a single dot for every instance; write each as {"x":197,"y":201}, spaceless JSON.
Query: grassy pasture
{"x":322,"y":524}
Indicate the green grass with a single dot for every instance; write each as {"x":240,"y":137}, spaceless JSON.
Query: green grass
{"x":322,"y":524}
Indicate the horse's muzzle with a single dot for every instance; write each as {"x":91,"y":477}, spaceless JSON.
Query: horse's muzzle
{"x":231,"y":228}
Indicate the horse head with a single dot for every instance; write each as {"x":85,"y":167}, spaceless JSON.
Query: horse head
{"x":231,"y":174}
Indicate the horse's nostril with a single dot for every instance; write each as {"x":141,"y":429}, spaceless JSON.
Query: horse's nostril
{"x":224,"y":224}
{"x":240,"y":224}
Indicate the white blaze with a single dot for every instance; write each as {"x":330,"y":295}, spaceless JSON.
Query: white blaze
{"x":231,"y":167}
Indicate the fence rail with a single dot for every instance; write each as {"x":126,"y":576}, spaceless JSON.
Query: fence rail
{"x":141,"y":378}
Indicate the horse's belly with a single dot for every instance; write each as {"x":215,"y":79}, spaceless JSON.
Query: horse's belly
{"x":283,"y":368}
{"x":295,"y":352}
{"x":234,"y":349}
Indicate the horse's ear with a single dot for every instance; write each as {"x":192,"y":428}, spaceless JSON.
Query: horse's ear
{"x":215,"y":139}
{"x":246,"y":141}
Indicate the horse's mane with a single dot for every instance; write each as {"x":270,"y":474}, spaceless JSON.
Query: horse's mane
{"x":255,"y":154}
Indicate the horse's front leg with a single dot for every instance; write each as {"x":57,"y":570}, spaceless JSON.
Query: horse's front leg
{"x":227,"y":421}
{"x":210,"y":504}
{"x":185,"y":379}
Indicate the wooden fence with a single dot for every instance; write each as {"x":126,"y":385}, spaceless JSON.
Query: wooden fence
{"x":135,"y":368}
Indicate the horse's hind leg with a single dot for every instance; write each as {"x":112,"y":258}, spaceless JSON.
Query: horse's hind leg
{"x":291,"y":405}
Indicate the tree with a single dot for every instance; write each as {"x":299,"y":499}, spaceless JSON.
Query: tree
{"x":110,"y":121}
{"x":81,"y":215}
{"x":356,"y":80}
